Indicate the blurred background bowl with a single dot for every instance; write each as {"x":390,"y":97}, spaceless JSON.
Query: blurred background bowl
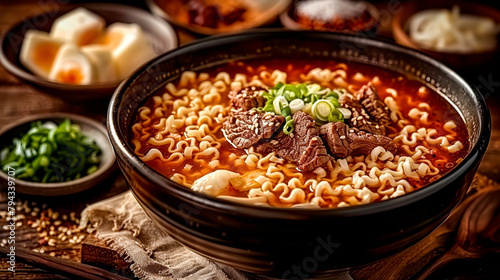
{"x":455,"y":60}
{"x":271,"y":240}
{"x":89,"y":127}
{"x":163,"y":38}
{"x":288,"y":19}
{"x":268,"y":11}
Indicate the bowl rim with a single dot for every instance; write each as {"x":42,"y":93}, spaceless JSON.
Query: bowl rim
{"x":95,"y":125}
{"x":477,"y":151}
{"x":19,"y":72}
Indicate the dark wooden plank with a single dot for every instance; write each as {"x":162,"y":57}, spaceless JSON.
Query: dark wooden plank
{"x":96,"y":252}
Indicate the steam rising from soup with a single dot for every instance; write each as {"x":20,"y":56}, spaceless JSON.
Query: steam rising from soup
{"x":181,"y":132}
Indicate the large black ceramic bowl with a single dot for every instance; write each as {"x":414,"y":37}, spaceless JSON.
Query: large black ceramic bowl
{"x":288,"y":242}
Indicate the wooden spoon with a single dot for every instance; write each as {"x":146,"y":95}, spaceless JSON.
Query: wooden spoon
{"x":478,"y":233}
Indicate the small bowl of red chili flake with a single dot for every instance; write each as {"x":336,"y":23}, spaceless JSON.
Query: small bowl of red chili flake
{"x":332,"y":15}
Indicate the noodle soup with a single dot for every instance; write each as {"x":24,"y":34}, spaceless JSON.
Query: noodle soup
{"x":296,"y":133}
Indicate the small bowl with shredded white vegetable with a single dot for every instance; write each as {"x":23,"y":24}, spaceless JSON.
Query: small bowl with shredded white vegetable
{"x":460,"y":35}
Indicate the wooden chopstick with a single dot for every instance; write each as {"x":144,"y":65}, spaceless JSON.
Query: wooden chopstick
{"x":74,"y":270}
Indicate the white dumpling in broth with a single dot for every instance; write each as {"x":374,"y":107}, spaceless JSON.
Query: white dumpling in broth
{"x":215,"y":183}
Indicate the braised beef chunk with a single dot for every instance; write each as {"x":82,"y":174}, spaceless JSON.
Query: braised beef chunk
{"x":302,"y":146}
{"x":291,"y":147}
{"x":314,"y":156}
{"x":343,"y":141}
{"x":247,"y":98}
{"x":245,"y":128}
{"x":373,"y":105}
{"x":360,"y":118}
{"x":304,"y":125}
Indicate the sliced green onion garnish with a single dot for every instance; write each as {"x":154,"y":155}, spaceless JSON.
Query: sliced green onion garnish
{"x":308,"y":109}
{"x":289,"y":125}
{"x":312,"y":88}
{"x":334,"y":103}
{"x":321,"y":109}
{"x":333,"y":118}
{"x":345,"y":112}
{"x":303,"y":89}
{"x":332,"y":94}
{"x":296,"y":105}
{"x":279,"y":85}
{"x":269,"y":95}
{"x":286,"y":111}
{"x":290,"y":92}
{"x":269,"y":107}
{"x":279,"y":103}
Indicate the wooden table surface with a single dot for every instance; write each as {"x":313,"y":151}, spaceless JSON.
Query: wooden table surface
{"x":18,"y":100}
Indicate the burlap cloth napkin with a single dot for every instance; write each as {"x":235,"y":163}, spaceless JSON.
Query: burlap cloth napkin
{"x":153,"y":254}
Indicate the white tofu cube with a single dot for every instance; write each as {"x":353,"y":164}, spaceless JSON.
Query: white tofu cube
{"x":38,"y":52}
{"x":79,"y":27}
{"x":71,"y":66}
{"x":129,"y":46}
{"x":102,"y":62}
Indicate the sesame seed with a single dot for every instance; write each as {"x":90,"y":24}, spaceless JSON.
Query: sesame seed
{"x":342,"y":137}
